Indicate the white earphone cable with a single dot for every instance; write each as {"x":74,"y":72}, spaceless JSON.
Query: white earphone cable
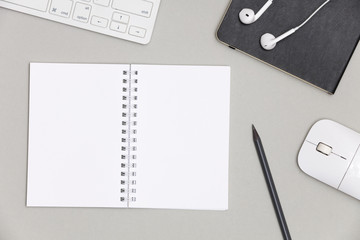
{"x":322,"y":5}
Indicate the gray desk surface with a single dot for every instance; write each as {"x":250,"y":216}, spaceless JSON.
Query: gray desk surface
{"x":281,"y":107}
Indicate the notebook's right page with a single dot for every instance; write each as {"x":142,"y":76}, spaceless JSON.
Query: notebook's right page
{"x":182,"y":137}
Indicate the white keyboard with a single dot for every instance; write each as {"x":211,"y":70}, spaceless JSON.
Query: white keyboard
{"x":132,"y":20}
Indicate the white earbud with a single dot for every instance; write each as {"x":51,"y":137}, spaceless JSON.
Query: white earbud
{"x":268,"y":41}
{"x":247,"y":16}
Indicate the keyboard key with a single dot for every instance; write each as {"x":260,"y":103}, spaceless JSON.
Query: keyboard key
{"x":98,"y":21}
{"x":61,"y":8}
{"x":136,"y":31}
{"x":138,"y":7}
{"x":82,"y":12}
{"x":40,"y":5}
{"x":119,"y":17}
{"x":102,"y":2}
{"x":109,"y":17}
{"x":119,"y":27}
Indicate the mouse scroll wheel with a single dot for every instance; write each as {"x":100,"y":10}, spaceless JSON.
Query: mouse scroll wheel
{"x":324,"y":149}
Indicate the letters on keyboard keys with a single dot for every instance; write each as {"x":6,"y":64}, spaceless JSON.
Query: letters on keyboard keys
{"x":61,"y":8}
{"x":132,"y":20}
{"x":82,"y":12}
{"x":139,"y":7}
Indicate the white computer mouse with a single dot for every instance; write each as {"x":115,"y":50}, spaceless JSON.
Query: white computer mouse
{"x":330,"y":153}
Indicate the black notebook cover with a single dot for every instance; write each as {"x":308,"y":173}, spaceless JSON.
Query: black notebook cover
{"x":317,"y":53}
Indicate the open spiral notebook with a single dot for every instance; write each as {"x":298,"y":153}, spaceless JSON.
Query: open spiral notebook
{"x":128,"y":136}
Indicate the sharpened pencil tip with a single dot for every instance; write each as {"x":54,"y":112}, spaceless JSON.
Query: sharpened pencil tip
{"x":255,"y":134}
{"x":254,"y":129}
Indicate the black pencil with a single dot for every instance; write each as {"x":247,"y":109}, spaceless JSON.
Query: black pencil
{"x":271,"y":185}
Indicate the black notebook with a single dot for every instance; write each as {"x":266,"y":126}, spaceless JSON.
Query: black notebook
{"x":317,"y":53}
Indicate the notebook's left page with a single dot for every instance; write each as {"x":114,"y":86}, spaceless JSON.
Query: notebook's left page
{"x":74,"y":148}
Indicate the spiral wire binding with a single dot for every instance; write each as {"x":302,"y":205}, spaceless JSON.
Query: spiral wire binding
{"x":128,"y":137}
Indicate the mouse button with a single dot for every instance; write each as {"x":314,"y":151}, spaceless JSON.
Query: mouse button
{"x":351,"y":181}
{"x":328,"y":169}
{"x":342,"y":140}
{"x":324,"y":149}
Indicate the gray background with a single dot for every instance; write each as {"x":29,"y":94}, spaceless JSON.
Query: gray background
{"x":282,"y":108}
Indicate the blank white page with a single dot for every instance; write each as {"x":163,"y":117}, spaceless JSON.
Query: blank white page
{"x":182,"y":137}
{"x":75,"y":135}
